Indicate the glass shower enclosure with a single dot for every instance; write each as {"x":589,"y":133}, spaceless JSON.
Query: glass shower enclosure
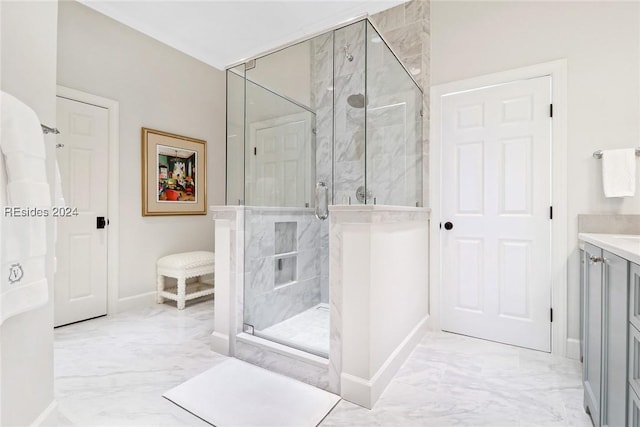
{"x":333,"y":120}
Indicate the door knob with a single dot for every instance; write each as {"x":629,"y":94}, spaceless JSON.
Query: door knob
{"x":101,"y":222}
{"x":448,"y":225}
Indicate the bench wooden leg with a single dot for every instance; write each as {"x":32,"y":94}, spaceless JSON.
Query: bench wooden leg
{"x":160,"y":288}
{"x":182,"y":291}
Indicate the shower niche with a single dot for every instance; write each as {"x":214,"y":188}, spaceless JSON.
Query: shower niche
{"x":323,"y":130}
{"x":286,"y":254}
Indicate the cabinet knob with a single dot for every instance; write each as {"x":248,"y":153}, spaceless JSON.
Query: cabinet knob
{"x":595,"y":259}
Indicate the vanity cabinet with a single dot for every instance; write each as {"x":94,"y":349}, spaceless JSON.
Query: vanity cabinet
{"x":633,"y":410}
{"x":592,"y":312}
{"x":605,"y":293}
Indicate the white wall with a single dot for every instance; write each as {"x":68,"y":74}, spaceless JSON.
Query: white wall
{"x":600,"y":41}
{"x":28,"y":45}
{"x":378,"y":294}
{"x":160,"y":88}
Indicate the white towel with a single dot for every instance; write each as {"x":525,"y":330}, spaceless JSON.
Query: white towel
{"x":619,"y":172}
{"x":28,"y":194}
{"x":58,"y":201}
{"x":26,"y":297}
{"x":19,"y":131}
{"x":58,"y":194}
{"x":23,"y":185}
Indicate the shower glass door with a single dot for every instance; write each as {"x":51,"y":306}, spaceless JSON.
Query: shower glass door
{"x":288,"y":127}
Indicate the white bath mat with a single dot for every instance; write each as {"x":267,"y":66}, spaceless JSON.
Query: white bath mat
{"x":235,"y":393}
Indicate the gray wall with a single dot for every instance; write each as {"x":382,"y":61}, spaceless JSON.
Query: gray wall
{"x":160,"y":88}
{"x":28,"y":59}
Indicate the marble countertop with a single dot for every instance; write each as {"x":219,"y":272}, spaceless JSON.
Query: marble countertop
{"x":626,"y":246}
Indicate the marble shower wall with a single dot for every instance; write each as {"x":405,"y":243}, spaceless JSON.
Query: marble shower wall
{"x":349,"y":121}
{"x":407,"y":29}
{"x":392,"y":155}
{"x":273,"y":293}
{"x":394,"y":128}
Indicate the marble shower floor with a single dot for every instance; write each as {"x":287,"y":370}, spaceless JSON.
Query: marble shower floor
{"x":112,"y":371}
{"x":309,"y":329}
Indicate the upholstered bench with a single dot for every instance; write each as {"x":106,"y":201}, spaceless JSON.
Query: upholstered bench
{"x":182,"y":267}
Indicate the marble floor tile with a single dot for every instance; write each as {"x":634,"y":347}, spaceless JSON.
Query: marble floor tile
{"x":454,"y":380}
{"x":112,"y":371}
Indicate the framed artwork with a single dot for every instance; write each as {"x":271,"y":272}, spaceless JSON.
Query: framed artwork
{"x":174,"y":174}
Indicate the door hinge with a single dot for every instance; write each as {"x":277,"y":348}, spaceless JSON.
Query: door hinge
{"x":550,"y":110}
{"x":550,"y":212}
{"x":255,"y":151}
{"x":551,"y":315}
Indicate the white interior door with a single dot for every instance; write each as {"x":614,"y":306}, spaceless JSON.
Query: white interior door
{"x":81,"y":247}
{"x":281,"y":166}
{"x":496,"y":180}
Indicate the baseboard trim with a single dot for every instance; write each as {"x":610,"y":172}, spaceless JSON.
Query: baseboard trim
{"x":136,"y":301}
{"x":44,"y":415}
{"x":365,"y":392}
{"x":573,"y":348}
{"x":220,"y":343}
{"x":432,"y":324}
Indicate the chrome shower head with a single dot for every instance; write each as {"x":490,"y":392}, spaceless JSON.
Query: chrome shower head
{"x":356,"y":101}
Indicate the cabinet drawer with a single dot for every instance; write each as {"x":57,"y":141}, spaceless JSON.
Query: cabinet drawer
{"x":634,"y":295}
{"x":634,"y":358}
{"x":633,"y":411}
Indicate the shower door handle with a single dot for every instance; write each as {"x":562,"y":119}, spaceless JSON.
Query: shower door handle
{"x":322,"y":200}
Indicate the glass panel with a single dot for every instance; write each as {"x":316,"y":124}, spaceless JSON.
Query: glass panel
{"x":280,"y":160}
{"x":394,"y":128}
{"x":235,"y":135}
{"x":349,"y":114}
{"x":288,"y":149}
{"x":338,"y":109}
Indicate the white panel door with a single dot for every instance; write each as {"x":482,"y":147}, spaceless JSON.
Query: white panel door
{"x":81,"y":248}
{"x":496,"y":180}
{"x":281,"y":163}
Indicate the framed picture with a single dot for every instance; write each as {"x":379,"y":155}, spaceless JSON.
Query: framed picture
{"x":174,"y":174}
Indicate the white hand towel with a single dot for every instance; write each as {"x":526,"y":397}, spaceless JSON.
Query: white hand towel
{"x":619,"y":172}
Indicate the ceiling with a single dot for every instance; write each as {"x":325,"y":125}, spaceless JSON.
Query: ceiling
{"x":224,"y":32}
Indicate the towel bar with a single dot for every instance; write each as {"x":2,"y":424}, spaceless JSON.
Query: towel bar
{"x":47,"y":129}
{"x":598,"y":154}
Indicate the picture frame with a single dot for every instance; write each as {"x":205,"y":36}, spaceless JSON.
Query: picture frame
{"x":174,"y":174}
